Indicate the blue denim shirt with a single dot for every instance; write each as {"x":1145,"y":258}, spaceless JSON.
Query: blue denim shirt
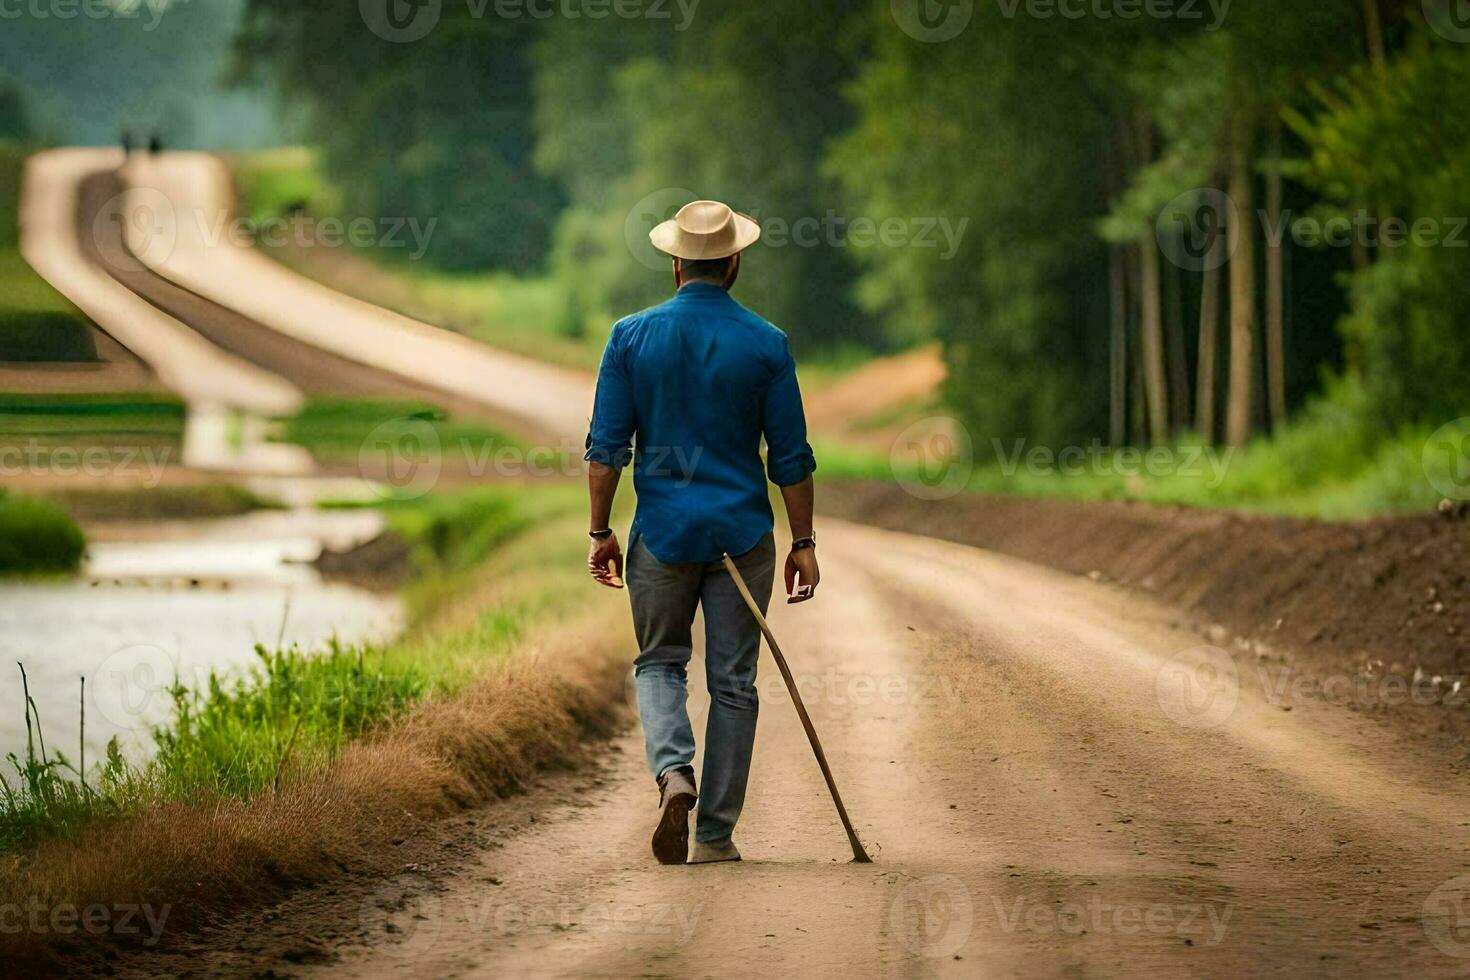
{"x":698,"y":381}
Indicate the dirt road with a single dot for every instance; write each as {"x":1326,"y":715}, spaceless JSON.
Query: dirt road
{"x":1051,"y":785}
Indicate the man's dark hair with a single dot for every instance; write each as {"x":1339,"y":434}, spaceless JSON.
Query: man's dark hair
{"x":714,"y":270}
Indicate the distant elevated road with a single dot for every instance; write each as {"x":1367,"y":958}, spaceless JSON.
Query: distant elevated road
{"x":51,"y":241}
{"x":192,"y":194}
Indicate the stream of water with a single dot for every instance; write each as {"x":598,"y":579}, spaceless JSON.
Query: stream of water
{"x":166,"y":599}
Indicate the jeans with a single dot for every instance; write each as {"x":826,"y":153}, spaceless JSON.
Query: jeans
{"x":664,"y":598}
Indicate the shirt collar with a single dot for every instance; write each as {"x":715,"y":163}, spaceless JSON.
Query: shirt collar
{"x":702,"y":291}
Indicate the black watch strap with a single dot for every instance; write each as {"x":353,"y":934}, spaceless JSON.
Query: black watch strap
{"x":801,"y":543}
{"x":599,"y":535}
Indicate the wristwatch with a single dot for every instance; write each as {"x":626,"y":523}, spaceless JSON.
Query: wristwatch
{"x":599,"y":535}
{"x":802,"y":543}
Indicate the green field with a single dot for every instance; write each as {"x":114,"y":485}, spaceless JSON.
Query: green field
{"x":335,"y":430}
{"x":36,"y":322}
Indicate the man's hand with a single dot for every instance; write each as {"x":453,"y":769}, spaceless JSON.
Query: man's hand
{"x":605,"y":561}
{"x":802,"y":564}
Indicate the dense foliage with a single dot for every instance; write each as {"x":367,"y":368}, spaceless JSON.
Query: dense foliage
{"x":1042,"y":191}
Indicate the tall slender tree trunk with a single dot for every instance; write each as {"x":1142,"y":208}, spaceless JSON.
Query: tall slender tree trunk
{"x":1117,"y":303}
{"x":1378,"y":58}
{"x":1209,"y":355}
{"x":1275,"y":287}
{"x":1137,"y":403}
{"x":1151,"y":312}
{"x":1177,"y":352}
{"x":1117,"y":347}
{"x":1373,"y":26}
{"x":1242,"y":288}
{"x":1152,"y":321}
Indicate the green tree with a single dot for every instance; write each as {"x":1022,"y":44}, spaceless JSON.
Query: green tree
{"x":15,"y":116}
{"x":740,"y":108}
{"x":438,"y":128}
{"x":1002,"y":129}
{"x":1397,"y":135}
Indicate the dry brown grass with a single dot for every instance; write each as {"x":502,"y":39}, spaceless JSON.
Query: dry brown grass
{"x":202,"y":860}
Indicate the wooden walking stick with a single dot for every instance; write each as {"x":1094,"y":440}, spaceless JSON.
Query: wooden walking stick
{"x":858,"y":854}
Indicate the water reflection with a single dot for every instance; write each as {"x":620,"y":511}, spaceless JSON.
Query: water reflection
{"x":174,"y":598}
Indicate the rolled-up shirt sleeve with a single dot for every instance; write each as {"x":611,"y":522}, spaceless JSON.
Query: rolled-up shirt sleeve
{"x":789,"y":458}
{"x":610,"y":436}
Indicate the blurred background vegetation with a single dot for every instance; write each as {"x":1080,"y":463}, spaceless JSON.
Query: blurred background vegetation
{"x":1076,"y":154}
{"x":1060,"y":142}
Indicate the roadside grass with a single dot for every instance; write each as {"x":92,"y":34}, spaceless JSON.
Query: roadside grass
{"x":143,"y":432}
{"x":491,"y":568}
{"x":1327,"y":465}
{"x":37,"y":537}
{"x":279,"y":182}
{"x":524,"y":316}
{"x":52,"y":432}
{"x":335,"y":430}
{"x":162,"y":503}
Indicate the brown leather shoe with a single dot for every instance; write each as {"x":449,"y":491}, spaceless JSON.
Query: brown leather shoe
{"x":676,"y":799}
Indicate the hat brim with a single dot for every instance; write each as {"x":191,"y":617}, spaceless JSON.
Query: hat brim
{"x":668,"y":238}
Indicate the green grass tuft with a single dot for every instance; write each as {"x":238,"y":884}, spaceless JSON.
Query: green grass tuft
{"x":37,"y":537}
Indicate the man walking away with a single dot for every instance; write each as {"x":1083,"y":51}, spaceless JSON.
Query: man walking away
{"x":694,"y":384}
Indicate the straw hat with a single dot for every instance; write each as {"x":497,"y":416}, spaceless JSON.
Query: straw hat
{"x":705,"y":230}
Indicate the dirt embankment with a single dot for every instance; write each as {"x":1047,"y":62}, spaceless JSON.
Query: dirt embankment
{"x":1389,"y":595}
